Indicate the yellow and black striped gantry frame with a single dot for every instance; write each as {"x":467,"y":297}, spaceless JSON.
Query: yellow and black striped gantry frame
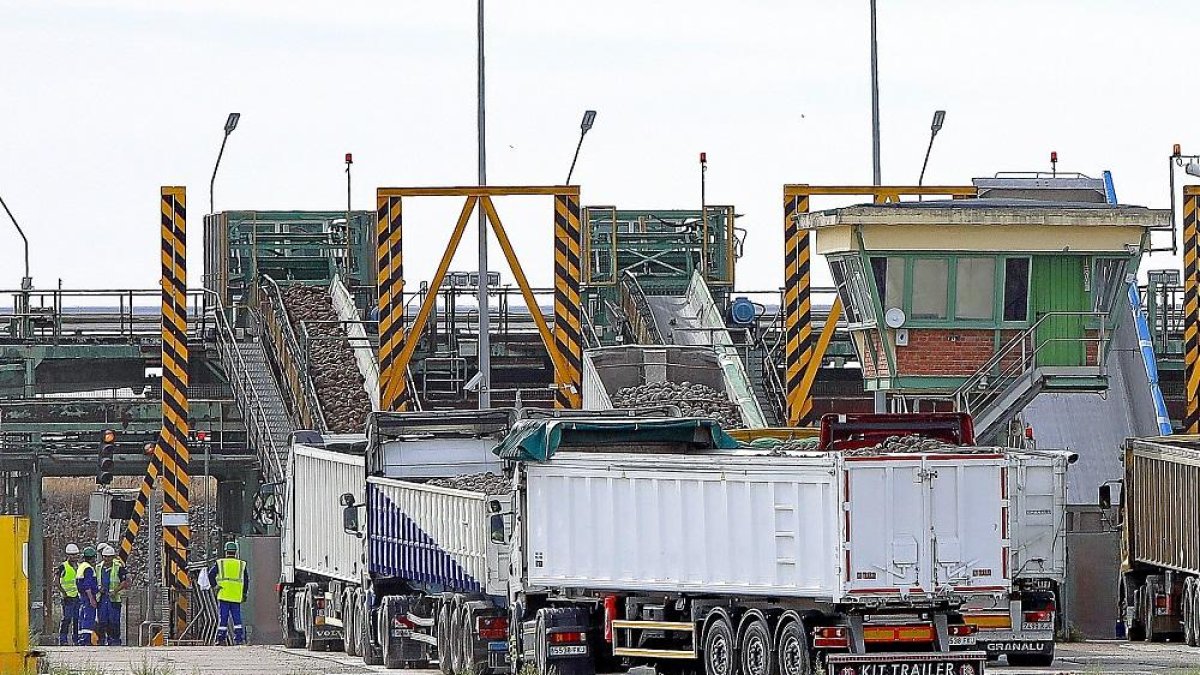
{"x":562,"y":343}
{"x":1191,"y":308}
{"x":170,"y":458}
{"x":803,"y":357}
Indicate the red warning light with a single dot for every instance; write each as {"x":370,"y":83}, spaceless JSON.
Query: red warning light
{"x":349,"y":158}
{"x":704,"y":158}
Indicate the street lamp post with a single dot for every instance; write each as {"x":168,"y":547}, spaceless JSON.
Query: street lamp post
{"x":589,"y":118}
{"x":349,"y":161}
{"x":876,"y":174}
{"x":485,"y":325}
{"x":939,"y":117}
{"x":231,"y":123}
{"x":24,"y":325}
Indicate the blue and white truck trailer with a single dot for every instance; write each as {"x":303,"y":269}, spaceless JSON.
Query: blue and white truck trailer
{"x":614,"y":542}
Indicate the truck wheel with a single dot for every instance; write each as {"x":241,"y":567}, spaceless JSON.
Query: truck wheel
{"x":292,"y":639}
{"x":719,"y":653}
{"x":757,"y":652}
{"x":1136,"y":631}
{"x":467,"y":644}
{"x":794,"y":657}
{"x":366,"y":647}
{"x":350,"y":623}
{"x":444,"y":646}
{"x":306,"y":620}
{"x":391,"y":656}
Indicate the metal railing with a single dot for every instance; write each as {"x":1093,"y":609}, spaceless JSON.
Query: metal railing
{"x":247,"y":396}
{"x":637,"y":311}
{"x":122,"y":315}
{"x":1019,"y":358}
{"x":292,"y":360}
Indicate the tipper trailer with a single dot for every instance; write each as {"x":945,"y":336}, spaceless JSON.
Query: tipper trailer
{"x":662,"y":540}
{"x":1159,"y":511}
{"x":1035,"y":491}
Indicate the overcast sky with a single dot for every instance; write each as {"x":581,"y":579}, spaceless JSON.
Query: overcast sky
{"x":103,"y":101}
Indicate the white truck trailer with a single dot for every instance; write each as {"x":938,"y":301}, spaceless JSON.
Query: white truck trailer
{"x":624,"y":541}
{"x":1037,"y":530}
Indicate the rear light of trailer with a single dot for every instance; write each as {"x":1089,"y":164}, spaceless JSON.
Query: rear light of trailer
{"x":1162,"y":604}
{"x":566,"y":638}
{"x":401,"y":622}
{"x":492,"y":627}
{"x":963,"y":630}
{"x":610,"y":615}
{"x":1041,"y":616}
{"x":831,"y":637}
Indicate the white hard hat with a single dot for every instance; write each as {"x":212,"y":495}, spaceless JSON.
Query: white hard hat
{"x":107,"y":550}
{"x":72,"y":549}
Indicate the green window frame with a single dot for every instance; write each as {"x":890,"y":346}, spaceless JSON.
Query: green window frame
{"x":1000,"y":266}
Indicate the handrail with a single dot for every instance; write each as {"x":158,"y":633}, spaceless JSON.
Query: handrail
{"x":293,"y":361}
{"x":258,"y":425}
{"x":990,"y":380}
{"x":641,"y":319}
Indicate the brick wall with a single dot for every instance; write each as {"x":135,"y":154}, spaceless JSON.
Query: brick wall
{"x":874,"y":359}
{"x":946,"y":352}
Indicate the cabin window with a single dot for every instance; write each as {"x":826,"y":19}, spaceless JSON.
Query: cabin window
{"x":930,"y":284}
{"x":889,"y":280}
{"x":974,"y":288}
{"x":1016,"y":289}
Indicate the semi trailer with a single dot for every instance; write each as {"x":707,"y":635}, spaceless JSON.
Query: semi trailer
{"x":1159,"y":514}
{"x":606,"y":542}
{"x":1024,"y":630}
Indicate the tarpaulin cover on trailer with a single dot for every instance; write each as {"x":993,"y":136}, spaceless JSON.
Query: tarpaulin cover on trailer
{"x":537,"y":440}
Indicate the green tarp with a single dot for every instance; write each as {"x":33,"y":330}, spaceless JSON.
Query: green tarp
{"x":537,"y":440}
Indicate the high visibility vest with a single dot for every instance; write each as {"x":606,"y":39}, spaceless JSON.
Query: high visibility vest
{"x":79,"y":572}
{"x":66,"y":580}
{"x":231,"y":586}
{"x":115,"y":592}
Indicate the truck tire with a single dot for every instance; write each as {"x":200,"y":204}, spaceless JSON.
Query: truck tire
{"x":350,"y":623}
{"x":720,"y":654}
{"x":306,"y":620}
{"x":756,"y":651}
{"x":457,"y":664}
{"x":1136,"y":631}
{"x":391,"y":656}
{"x":794,"y":657}
{"x":292,"y":639}
{"x":1189,"y":612}
{"x":370,"y":654}
{"x":467,"y":643}
{"x":442,"y":630}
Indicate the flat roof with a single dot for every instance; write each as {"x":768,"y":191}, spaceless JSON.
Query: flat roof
{"x":989,"y":212}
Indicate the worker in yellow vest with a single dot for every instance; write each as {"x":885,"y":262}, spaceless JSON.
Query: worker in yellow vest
{"x":68,"y":628}
{"x":113,"y":584}
{"x":232,"y":579}
{"x":89,"y":596}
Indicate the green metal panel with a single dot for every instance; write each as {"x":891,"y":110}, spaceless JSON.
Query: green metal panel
{"x":1058,"y":286}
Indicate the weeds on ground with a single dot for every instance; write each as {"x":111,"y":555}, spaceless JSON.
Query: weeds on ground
{"x":148,"y":668}
{"x":1070,"y":633}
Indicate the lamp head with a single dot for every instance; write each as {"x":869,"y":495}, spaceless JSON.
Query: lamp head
{"x":589,"y":118}
{"x":231,"y":122}
{"x":938,"y":118}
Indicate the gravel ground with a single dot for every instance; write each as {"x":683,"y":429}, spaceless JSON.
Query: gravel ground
{"x":487,"y":483}
{"x":334,"y":371}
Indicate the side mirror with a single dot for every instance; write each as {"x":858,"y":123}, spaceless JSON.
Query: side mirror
{"x":496,"y":527}
{"x":494,"y":506}
{"x":346,"y":499}
{"x":350,"y":520}
{"x":269,"y":489}
{"x":1105,"y":496}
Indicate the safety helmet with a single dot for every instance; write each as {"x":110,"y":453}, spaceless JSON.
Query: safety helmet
{"x":89,"y":552}
{"x":231,"y":547}
{"x":72,"y":549}
{"x":107,"y":550}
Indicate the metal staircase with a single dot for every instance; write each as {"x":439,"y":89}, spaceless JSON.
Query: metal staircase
{"x":268,"y":425}
{"x":1021,"y":369}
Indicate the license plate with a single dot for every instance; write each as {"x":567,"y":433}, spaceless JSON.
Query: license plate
{"x":962,"y":640}
{"x":568,"y":650}
{"x":401,"y":632}
{"x":1040,"y":626}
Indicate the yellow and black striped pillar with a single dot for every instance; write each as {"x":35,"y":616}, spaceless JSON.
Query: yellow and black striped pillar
{"x":568,"y":313}
{"x":1191,"y":309}
{"x":389,"y":252}
{"x":797,"y":309}
{"x":140,"y":506}
{"x":172,"y":448}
